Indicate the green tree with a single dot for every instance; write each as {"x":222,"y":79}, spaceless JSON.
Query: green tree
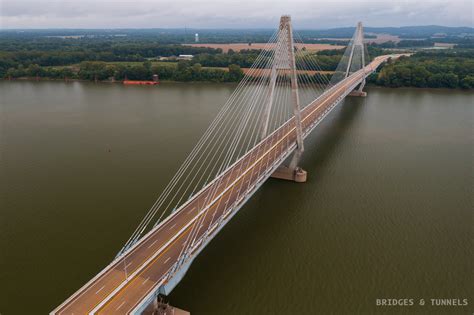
{"x":235,"y":73}
{"x":467,"y":82}
{"x":95,"y":70}
{"x":183,"y":65}
{"x":451,"y":80}
{"x":419,"y":76}
{"x":147,"y":64}
{"x":164,"y":72}
{"x":435,"y":80}
{"x":138,"y":72}
{"x":34,"y":70}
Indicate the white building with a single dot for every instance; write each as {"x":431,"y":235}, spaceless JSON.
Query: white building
{"x":185,"y":57}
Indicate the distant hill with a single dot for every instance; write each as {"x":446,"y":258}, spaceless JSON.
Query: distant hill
{"x":422,"y":31}
{"x":402,"y":32}
{"x":233,"y":35}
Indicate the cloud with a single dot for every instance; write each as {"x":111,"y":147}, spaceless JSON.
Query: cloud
{"x":230,"y":13}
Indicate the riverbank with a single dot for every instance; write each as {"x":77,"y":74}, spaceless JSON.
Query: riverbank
{"x":442,"y":69}
{"x":42,"y":79}
{"x":371,"y":84}
{"x":446,"y":69}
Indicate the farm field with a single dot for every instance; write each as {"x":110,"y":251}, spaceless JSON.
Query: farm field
{"x":76,"y":66}
{"x":241,"y":46}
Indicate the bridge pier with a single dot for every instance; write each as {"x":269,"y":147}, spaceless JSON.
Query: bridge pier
{"x":358,"y":93}
{"x":292,"y":172}
{"x":285,"y":59}
{"x":159,"y":307}
{"x":297,"y":175}
{"x":358,"y":41}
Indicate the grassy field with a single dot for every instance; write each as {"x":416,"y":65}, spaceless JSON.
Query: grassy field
{"x":238,"y":47}
{"x":75,"y":67}
{"x":153,"y":63}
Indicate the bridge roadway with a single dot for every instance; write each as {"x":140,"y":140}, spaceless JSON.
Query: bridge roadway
{"x":115,"y":290}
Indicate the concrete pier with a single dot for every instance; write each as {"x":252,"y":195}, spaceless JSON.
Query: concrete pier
{"x":358,"y":93}
{"x":283,"y":172}
{"x":159,"y":307}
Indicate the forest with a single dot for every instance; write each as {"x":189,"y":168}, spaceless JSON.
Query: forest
{"x":105,"y":58}
{"x":433,"y":69}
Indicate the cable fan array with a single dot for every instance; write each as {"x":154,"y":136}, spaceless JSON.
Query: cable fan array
{"x":239,"y":125}
{"x":353,"y":58}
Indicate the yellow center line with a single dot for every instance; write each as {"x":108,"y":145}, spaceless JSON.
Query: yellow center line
{"x":154,"y":260}
{"x":149,"y":265}
{"x":226,"y":191}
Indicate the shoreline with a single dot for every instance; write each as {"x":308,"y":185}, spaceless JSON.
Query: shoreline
{"x":371,"y":85}
{"x":29,"y":79}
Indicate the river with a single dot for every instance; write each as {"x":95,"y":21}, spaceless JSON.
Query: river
{"x":387,"y":211}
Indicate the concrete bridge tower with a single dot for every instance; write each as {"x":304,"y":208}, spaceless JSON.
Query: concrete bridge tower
{"x":285,"y":60}
{"x":357,"y":51}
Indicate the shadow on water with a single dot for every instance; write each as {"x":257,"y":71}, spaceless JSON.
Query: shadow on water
{"x":322,"y":143}
{"x":241,"y":248}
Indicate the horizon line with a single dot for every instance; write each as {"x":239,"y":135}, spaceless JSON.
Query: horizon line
{"x":216,"y":28}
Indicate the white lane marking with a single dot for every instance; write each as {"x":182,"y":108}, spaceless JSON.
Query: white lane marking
{"x":167,"y":260}
{"x":153,"y":243}
{"x":145,"y":280}
{"x":128,"y":265}
{"x":100,"y":289}
{"x":191,"y":210}
{"x":120,"y":306}
{"x":218,"y":197}
{"x":172,"y":226}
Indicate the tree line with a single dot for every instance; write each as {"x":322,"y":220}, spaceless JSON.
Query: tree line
{"x":101,"y":71}
{"x":450,"y":69}
{"x":19,"y":53}
{"x":57,"y":53}
{"x":93,"y":59}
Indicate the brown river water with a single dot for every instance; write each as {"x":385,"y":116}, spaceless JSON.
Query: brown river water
{"x":387,"y":212}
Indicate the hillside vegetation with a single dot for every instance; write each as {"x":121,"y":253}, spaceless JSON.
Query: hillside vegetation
{"x":31,"y":54}
{"x":441,"y":69}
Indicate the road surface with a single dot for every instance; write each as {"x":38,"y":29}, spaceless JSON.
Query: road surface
{"x":122,"y":285}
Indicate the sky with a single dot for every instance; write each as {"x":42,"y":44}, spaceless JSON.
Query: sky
{"x":308,"y":14}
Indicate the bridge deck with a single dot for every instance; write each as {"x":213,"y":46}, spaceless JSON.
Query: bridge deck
{"x":147,"y":262}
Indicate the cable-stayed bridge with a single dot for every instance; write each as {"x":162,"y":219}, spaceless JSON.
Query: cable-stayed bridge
{"x":280,"y":100}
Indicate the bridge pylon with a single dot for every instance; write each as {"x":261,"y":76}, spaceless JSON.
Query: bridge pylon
{"x":357,"y":51}
{"x":285,"y":60}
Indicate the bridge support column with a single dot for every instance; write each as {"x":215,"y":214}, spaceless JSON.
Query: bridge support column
{"x":358,"y":93}
{"x":358,"y":42}
{"x":292,"y":172}
{"x":297,"y":175}
{"x":160,"y":307}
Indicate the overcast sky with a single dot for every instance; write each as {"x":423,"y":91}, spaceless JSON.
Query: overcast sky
{"x":230,"y":13}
